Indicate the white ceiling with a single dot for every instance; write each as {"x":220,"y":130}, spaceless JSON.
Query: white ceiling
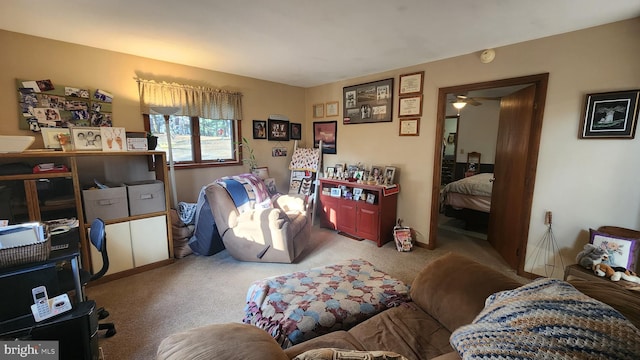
{"x":305,"y":42}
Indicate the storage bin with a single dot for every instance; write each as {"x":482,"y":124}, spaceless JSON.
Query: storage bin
{"x":145,"y":197}
{"x":107,"y":204}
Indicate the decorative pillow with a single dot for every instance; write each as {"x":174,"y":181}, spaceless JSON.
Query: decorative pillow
{"x":339,"y":354}
{"x":547,"y":319}
{"x":622,"y":251}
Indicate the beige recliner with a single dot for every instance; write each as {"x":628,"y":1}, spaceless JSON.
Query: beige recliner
{"x":275,"y":234}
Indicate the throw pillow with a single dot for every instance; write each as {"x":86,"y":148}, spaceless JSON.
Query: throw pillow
{"x":340,"y":354}
{"x":547,"y":319}
{"x":623,"y":252}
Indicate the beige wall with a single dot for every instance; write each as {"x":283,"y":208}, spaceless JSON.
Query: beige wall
{"x":586,"y":183}
{"x":28,"y":57}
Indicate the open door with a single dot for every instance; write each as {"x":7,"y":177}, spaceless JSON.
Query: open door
{"x":510,"y":174}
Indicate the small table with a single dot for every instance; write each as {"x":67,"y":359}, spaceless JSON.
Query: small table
{"x":299,"y":306}
{"x":586,"y":274}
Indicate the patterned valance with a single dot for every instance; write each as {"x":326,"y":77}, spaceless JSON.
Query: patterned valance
{"x":198,"y":101}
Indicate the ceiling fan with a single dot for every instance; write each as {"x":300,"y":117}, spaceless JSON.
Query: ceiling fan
{"x":473,"y":100}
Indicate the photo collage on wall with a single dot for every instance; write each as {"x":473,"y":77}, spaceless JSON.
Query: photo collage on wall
{"x":45,"y":104}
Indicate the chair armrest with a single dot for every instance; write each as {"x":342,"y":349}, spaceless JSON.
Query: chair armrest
{"x":291,"y":203}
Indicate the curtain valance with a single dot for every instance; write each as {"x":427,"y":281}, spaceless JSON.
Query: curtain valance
{"x":198,"y":101}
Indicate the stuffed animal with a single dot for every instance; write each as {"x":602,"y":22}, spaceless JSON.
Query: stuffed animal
{"x":592,"y":257}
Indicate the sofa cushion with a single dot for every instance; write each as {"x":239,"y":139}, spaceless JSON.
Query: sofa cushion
{"x":346,"y":354}
{"x":406,"y":330}
{"x":338,"y":339}
{"x":221,"y":341}
{"x":549,"y":319}
{"x":456,"y":303}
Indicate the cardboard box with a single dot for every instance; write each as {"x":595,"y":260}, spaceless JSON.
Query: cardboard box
{"x":106,"y":204}
{"x":146,"y":197}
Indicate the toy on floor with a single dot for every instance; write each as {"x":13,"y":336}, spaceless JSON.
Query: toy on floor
{"x":592,"y":257}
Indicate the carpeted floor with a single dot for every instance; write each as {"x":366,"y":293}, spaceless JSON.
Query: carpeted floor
{"x":196,"y":290}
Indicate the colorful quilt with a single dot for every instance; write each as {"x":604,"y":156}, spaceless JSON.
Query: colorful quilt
{"x":302,"y":305}
{"x":247,"y":190}
{"x":547,"y":319}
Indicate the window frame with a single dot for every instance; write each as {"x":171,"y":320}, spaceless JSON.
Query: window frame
{"x":196,"y":149}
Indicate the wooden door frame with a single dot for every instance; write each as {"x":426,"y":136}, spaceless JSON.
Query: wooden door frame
{"x":541,"y":81}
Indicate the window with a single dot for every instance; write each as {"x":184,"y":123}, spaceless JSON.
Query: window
{"x":197,"y":142}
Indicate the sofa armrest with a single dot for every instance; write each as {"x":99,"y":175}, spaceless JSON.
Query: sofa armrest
{"x":221,"y":341}
{"x":291,"y":203}
{"x":453,"y":289}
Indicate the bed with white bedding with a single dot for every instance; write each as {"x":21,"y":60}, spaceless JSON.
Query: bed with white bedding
{"x":473,"y":192}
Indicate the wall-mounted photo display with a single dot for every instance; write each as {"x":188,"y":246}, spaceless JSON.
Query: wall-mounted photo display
{"x":327,"y":132}
{"x":612,"y":115}
{"x":368,"y":103}
{"x":296,"y":131}
{"x":278,"y":130}
{"x":259,"y":129}
{"x":411,"y":83}
{"x":279,"y":151}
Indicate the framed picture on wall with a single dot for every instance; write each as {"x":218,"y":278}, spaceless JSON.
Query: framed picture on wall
{"x":259,"y":129}
{"x":327,"y":132}
{"x":411,"y":83}
{"x":610,"y":115}
{"x":278,"y":130}
{"x":368,"y":103}
{"x":296,"y":131}
{"x":332,"y":108}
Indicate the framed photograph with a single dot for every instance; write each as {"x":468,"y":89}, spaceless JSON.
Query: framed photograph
{"x":610,"y":115}
{"x":411,"y":83}
{"x":410,"y":127}
{"x":622,"y":252}
{"x":336,"y":192}
{"x":368,"y":103}
{"x":296,"y":131}
{"x":357,"y":193}
{"x":410,"y":106}
{"x":86,"y":138}
{"x":327,"y":132}
{"x":329,"y":172}
{"x":278,"y":130}
{"x":261,"y":172}
{"x":318,"y":111}
{"x":332,"y":108}
{"x":113,"y":138}
{"x":259,"y":129}
{"x":279,"y":151}
{"x":376,"y":173}
{"x":371,"y":198}
{"x":51,"y":136}
{"x":389,"y":175}
{"x":271,"y":186}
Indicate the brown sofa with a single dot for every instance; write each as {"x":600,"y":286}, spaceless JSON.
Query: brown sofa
{"x":448,"y":293}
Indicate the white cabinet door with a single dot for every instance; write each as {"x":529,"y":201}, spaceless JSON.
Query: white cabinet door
{"x":118,"y":249}
{"x":149,"y":240}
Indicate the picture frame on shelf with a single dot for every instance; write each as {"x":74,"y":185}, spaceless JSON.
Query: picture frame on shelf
{"x":50,"y":136}
{"x":261,"y":172}
{"x":410,"y":106}
{"x":370,"y":102}
{"x":114,"y":138}
{"x":610,"y":115}
{"x":259,"y":129}
{"x":357,"y":193}
{"x":296,"y":131}
{"x":318,"y":111}
{"x":329,"y":172}
{"x":376,"y":173}
{"x":371,"y":198}
{"x":278,"y":130}
{"x":336,"y":192}
{"x":412,"y":83}
{"x":409,"y":127}
{"x":338,"y":170}
{"x":86,"y":138}
{"x":332,"y":108}
{"x":389,"y":175}
{"x":327,"y":131}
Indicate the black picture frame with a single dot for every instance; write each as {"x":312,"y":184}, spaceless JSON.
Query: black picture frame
{"x":278,"y":130}
{"x":371,"y":102}
{"x":259,"y":129}
{"x":610,"y":115}
{"x":296,"y":131}
{"x":327,"y":131}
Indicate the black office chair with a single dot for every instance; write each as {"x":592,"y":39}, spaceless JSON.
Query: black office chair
{"x":98,"y":238}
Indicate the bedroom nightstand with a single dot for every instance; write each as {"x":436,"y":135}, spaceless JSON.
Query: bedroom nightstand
{"x":585,"y":274}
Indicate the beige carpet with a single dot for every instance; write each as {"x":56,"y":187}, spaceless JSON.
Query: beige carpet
{"x":197,"y":290}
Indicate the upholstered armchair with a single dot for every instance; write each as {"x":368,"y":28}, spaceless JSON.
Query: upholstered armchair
{"x":273,"y":230}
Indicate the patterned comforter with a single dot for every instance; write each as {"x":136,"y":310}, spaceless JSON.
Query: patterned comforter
{"x":547,"y":319}
{"x":302,"y":305}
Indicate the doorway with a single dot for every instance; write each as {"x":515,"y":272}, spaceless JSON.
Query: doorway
{"x":527,"y":133}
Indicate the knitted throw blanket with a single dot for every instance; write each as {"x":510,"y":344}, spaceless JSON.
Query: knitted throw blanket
{"x":547,"y":319}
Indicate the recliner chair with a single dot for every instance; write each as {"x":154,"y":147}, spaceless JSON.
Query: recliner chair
{"x":275,"y":234}
{"x":98,"y":238}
